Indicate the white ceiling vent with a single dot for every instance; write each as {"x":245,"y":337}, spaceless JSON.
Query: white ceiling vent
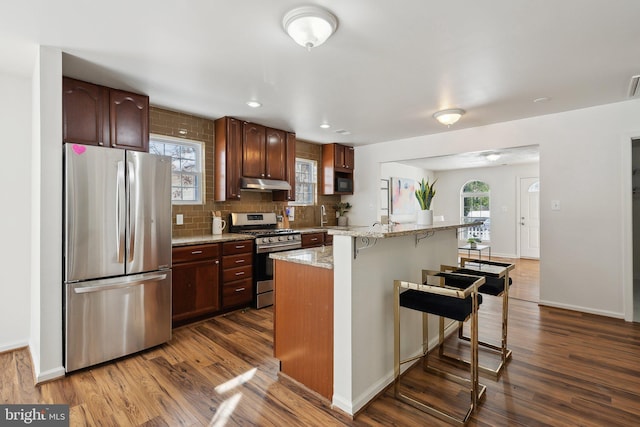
{"x":634,"y":87}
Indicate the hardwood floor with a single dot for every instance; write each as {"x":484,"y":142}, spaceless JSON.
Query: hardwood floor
{"x":568,"y":368}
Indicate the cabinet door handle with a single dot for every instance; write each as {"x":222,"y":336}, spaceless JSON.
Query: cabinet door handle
{"x":217,"y":261}
{"x":196,"y":252}
{"x":239,"y":289}
{"x":241,"y":273}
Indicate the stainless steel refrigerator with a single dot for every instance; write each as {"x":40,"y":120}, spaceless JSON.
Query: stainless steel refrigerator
{"x":117,"y":253}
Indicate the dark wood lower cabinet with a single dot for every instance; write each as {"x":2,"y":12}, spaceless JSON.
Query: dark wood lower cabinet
{"x":195,"y":289}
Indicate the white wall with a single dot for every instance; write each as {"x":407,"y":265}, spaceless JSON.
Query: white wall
{"x":398,"y":170}
{"x":584,"y":261}
{"x":503,"y":183}
{"x":15,"y":175}
{"x":45,"y":341}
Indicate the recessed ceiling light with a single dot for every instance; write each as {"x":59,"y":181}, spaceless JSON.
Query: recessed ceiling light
{"x":492,"y":157}
{"x":254,"y":104}
{"x":325,"y":126}
{"x":542,"y":99}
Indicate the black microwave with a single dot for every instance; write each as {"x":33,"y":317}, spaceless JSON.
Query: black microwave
{"x":344,"y":185}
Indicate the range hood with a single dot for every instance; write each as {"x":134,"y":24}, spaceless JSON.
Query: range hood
{"x":263,"y":184}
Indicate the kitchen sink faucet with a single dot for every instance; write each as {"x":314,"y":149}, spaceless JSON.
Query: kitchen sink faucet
{"x":323,"y":216}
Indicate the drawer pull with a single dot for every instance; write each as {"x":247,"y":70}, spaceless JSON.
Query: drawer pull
{"x":240,"y":273}
{"x":239,"y":261}
{"x":240,"y":246}
{"x":239,"y":289}
{"x":314,"y":239}
{"x":196,"y":252}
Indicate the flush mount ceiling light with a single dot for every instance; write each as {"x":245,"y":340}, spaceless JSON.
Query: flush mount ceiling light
{"x":449,"y":117}
{"x":254,"y":104}
{"x":309,"y":26}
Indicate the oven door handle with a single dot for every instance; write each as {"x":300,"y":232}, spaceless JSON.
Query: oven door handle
{"x":280,"y":248}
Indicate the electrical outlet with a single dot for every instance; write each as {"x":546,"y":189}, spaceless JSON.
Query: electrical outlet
{"x":555,"y":205}
{"x":179,"y":219}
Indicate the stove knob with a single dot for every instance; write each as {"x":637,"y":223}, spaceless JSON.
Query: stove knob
{"x":271,"y":239}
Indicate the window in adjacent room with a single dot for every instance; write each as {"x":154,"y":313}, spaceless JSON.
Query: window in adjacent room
{"x":186,"y":167}
{"x":306,"y":182}
{"x":475,"y":201}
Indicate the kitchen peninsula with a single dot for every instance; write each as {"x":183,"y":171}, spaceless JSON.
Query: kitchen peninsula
{"x":345,"y":296}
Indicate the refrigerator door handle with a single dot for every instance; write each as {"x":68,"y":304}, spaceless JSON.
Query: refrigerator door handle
{"x":120,"y":212}
{"x":131,"y":221}
{"x":118,"y":283}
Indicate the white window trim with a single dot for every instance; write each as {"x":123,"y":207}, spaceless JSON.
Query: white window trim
{"x":315,"y":193}
{"x":199,"y":145}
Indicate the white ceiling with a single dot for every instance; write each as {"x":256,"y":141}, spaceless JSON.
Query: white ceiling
{"x":478,"y":159}
{"x":381,"y":76}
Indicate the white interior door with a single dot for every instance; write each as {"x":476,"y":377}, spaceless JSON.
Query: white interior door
{"x":529,"y":221}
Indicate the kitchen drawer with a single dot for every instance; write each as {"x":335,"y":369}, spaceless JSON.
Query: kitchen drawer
{"x":311,"y":240}
{"x":195,"y":252}
{"x":236,"y":293}
{"x":231,"y":274}
{"x":237,"y":247}
{"x":235,"y":261}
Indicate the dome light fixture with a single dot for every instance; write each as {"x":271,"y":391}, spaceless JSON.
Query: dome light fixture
{"x":449,"y":117}
{"x":309,"y":26}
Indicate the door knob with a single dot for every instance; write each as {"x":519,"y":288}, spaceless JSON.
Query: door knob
{"x":522,"y":223}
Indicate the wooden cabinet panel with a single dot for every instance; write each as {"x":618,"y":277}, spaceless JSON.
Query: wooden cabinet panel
{"x":237,"y":273}
{"x":195,"y":253}
{"x":275,"y":154}
{"x":97,"y":115}
{"x":231,"y":274}
{"x":312,"y":240}
{"x":253,"y":150}
{"x":195,"y":290}
{"x":328,"y":239}
{"x":338,"y":161}
{"x":85,"y":113}
{"x":228,"y":159}
{"x":195,"y":282}
{"x":237,"y":247}
{"x":129,"y":118}
{"x":237,"y":293}
{"x":303,"y":324}
{"x":289,"y":195}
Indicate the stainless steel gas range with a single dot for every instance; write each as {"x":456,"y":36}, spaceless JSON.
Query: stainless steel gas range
{"x":269,"y":239}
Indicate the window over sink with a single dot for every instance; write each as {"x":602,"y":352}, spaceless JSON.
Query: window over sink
{"x":186,"y":167}
{"x":306,"y":182}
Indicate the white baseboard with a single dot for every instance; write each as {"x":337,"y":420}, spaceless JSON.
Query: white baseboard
{"x":605,"y":313}
{"x":41,"y":377}
{"x":13,"y":346}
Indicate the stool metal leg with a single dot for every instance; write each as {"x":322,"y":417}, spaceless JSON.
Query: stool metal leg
{"x":477,"y":391}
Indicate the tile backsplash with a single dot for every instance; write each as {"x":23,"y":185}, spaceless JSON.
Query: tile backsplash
{"x":197,"y":218}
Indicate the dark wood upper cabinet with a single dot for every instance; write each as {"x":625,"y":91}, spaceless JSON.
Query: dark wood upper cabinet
{"x":85,"y":113}
{"x":228,"y":159}
{"x":129,"y":117}
{"x":290,"y":172}
{"x":344,"y":158}
{"x":276,"y":157}
{"x":253,"y":150}
{"x":338,"y":161}
{"x":97,"y":115}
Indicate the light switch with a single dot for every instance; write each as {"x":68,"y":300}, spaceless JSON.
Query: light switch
{"x":179,"y":219}
{"x":555,"y":205}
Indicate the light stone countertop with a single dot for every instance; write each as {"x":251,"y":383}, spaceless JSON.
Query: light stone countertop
{"x":321,"y":257}
{"x":380,"y":231}
{"x":318,"y":229}
{"x":209,"y":238}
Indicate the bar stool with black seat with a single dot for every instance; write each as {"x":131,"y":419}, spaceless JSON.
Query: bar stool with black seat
{"x":497,"y":284}
{"x":434,"y":297}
